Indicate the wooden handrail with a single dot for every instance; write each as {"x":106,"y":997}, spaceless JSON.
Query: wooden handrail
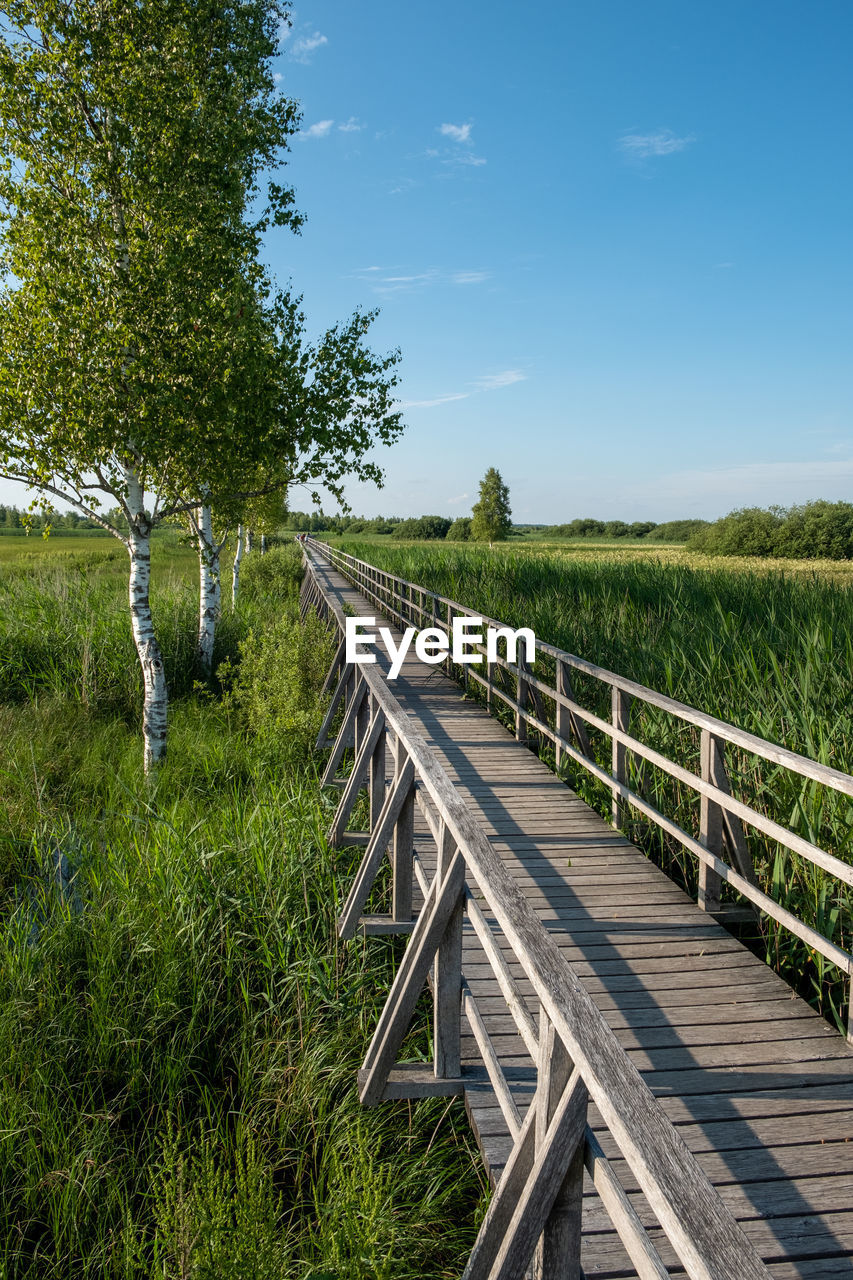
{"x":578,"y":1054}
{"x":722,"y":812}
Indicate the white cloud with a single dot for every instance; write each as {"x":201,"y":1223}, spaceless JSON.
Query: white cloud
{"x":458,"y":132}
{"x":461,"y":497}
{"x":469,"y":277}
{"x":430,"y":404}
{"x":476,"y":161}
{"x":304,"y":46}
{"x":353,"y":125}
{"x":660,"y":142}
{"x":318,"y":130}
{"x":492,"y":381}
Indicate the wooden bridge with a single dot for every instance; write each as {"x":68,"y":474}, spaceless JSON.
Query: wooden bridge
{"x":650,"y":1098}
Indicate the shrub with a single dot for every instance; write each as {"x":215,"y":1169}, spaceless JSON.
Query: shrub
{"x":273,"y":576}
{"x":460,"y":530}
{"x":425,"y":527}
{"x":278,"y":682}
{"x":676,"y":530}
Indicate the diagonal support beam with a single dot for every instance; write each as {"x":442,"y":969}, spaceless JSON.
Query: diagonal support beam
{"x":345,"y":734}
{"x":393,"y":1024}
{"x":357,"y":778}
{"x":335,"y":668}
{"x":372,"y":860}
{"x":337,"y":696}
{"x":526,"y":1193}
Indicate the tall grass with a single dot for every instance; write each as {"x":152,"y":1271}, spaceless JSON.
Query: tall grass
{"x":180,"y":1028}
{"x":769,"y":652}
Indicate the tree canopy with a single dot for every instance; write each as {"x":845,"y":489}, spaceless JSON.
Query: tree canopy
{"x":491,"y":515}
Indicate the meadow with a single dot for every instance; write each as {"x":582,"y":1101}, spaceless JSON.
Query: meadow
{"x":766,"y":646}
{"x":180,"y":1028}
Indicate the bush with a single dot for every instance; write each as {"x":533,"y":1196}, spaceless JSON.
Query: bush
{"x":676,"y":530}
{"x":275,"y":575}
{"x":278,"y":683}
{"x":815,"y":531}
{"x":425,"y":527}
{"x":460,"y":530}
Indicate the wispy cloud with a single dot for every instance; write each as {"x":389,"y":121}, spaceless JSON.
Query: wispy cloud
{"x":461,"y":153}
{"x":319,"y":130}
{"x":304,"y":46}
{"x":460,"y":497}
{"x":430,"y":404}
{"x":660,"y":142}
{"x":489,"y":382}
{"x":469,"y":277}
{"x":353,"y":125}
{"x":392,"y":280}
{"x":492,"y":381}
{"x":458,"y":132}
{"x":719,"y":489}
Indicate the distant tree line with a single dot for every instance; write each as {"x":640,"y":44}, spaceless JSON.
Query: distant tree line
{"x":431,"y":528}
{"x":814,"y":531}
{"x":12,"y":520}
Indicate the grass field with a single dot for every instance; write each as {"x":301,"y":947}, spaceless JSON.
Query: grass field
{"x":767,"y":650}
{"x":179,"y":1027}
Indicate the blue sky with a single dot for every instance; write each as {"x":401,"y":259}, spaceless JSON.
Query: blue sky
{"x":612,"y":240}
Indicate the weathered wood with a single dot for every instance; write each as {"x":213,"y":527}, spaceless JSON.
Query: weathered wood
{"x":402,"y":869}
{"x":447,"y":978}
{"x":558,"y":1252}
{"x":409,"y":981}
{"x":398,"y":797}
{"x":414,"y":1080}
{"x":710,"y":831}
{"x":621,"y":710}
{"x":492,"y":1063}
{"x":371,"y":733}
{"x":345,"y":733}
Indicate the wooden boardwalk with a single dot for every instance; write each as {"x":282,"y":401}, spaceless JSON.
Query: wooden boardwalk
{"x":758,"y":1085}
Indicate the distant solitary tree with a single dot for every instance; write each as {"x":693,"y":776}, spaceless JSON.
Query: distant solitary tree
{"x":491,"y":516}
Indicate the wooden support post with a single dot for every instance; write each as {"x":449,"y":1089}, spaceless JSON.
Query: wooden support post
{"x":447,"y":977}
{"x":359,"y":892}
{"x":567,"y":721}
{"x":362,"y":722}
{"x":621,"y":703}
{"x":710,"y":830}
{"x":346,"y":731}
{"x":531,"y":1182}
{"x":402,"y":857}
{"x":408,"y":983}
{"x":376,"y":783}
{"x":521,"y":696}
{"x":558,"y":1253}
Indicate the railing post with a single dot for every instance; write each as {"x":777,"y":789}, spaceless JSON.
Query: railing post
{"x":558,"y":1253}
{"x":710,"y":829}
{"x":621,"y":703}
{"x":362,"y":722}
{"x":522,"y":691}
{"x":402,"y":850}
{"x":376,"y":785}
{"x":447,"y":977}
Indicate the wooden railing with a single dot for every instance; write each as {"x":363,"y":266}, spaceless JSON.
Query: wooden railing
{"x":535,"y":1211}
{"x":553,"y":712}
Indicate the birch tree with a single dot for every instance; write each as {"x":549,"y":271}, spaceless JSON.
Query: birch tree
{"x":131,"y":302}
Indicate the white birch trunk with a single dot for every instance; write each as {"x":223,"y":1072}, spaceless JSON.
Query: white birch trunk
{"x":156,"y":700}
{"x":238,"y":557}
{"x":263,"y":544}
{"x":210,"y":589}
{"x":250,"y":540}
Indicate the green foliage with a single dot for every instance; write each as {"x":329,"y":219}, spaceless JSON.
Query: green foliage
{"x":424,"y":528}
{"x":491,"y":515}
{"x":126,"y":245}
{"x":180,"y":1027}
{"x":815,"y":531}
{"x":274,"y":576}
{"x":460,"y":530}
{"x":278,"y":681}
{"x":675,"y":530}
